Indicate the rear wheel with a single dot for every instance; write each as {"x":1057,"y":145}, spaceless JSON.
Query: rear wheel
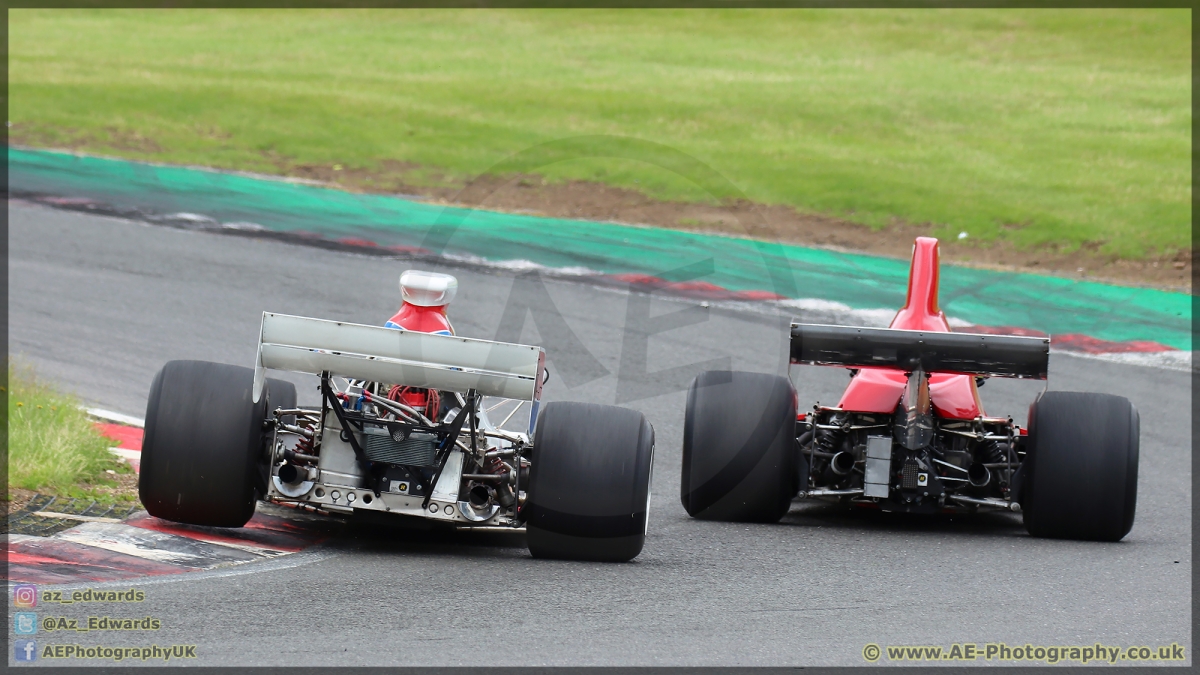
{"x":1082,"y":466}
{"x":739,"y":447}
{"x":203,"y":449}
{"x":589,"y":483}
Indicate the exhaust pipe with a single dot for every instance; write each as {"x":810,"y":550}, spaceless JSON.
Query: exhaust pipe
{"x":293,"y":474}
{"x":978,"y":475}
{"x":842,"y":463}
{"x":479,"y":496}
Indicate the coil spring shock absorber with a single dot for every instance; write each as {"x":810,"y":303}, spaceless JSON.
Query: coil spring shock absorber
{"x":304,"y":445}
{"x":993,"y":452}
{"x":828,"y":442}
{"x":300,"y":458}
{"x":990,"y":452}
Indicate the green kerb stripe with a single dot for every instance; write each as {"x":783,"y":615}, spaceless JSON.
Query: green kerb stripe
{"x":1050,"y":304}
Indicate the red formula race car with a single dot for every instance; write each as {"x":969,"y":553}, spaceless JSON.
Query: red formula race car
{"x":909,"y":433}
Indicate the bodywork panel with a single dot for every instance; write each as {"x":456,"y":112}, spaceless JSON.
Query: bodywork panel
{"x":954,"y":395}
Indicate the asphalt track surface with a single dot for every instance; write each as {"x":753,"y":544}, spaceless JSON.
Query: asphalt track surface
{"x":98,"y":304}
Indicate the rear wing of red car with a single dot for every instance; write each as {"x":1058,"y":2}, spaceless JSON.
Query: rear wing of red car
{"x":910,"y":350}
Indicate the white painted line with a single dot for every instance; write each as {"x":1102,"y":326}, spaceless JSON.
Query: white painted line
{"x":120,"y":544}
{"x":126,"y":453}
{"x":110,"y":416}
{"x":1173,"y":360}
{"x":249,"y":548}
{"x":72,"y":516}
{"x":157,"y":546}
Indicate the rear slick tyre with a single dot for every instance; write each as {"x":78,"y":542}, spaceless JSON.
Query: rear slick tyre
{"x":204,"y":442}
{"x":739,"y":447}
{"x":589,"y":483}
{"x":1081,"y":480}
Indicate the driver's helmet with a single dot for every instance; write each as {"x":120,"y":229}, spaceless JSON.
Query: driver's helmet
{"x":425,"y":297}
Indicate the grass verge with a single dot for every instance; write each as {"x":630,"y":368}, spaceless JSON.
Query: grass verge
{"x":54,"y":449}
{"x":1057,"y":130}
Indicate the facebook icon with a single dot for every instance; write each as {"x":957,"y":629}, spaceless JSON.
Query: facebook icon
{"x":25,"y":650}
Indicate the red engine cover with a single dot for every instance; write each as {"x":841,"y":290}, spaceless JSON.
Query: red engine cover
{"x":878,"y":390}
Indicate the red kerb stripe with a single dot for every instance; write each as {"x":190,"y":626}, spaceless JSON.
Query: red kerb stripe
{"x":127,"y":437}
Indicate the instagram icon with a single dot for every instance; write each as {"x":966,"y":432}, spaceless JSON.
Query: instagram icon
{"x":25,"y":595}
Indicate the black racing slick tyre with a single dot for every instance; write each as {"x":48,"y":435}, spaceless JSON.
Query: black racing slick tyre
{"x":739,"y":447}
{"x":589,"y":483}
{"x":204,"y":442}
{"x":1081,"y":466}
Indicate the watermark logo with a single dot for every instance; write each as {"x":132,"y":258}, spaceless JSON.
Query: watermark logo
{"x":529,"y":298}
{"x":1049,"y":654}
{"x":25,"y":650}
{"x":25,"y":595}
{"x":91,"y":595}
{"x":25,"y":623}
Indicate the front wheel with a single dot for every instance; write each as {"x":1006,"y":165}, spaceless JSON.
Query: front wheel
{"x":589,"y":483}
{"x":1082,"y":466}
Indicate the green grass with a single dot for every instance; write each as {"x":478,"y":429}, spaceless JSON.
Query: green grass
{"x":52,"y":446}
{"x":1058,"y":128}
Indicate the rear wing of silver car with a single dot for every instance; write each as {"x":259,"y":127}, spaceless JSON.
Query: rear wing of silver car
{"x":394,"y":356}
{"x":910,"y":350}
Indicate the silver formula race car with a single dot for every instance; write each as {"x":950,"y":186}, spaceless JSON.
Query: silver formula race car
{"x":909,"y":433}
{"x":404,"y":429}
